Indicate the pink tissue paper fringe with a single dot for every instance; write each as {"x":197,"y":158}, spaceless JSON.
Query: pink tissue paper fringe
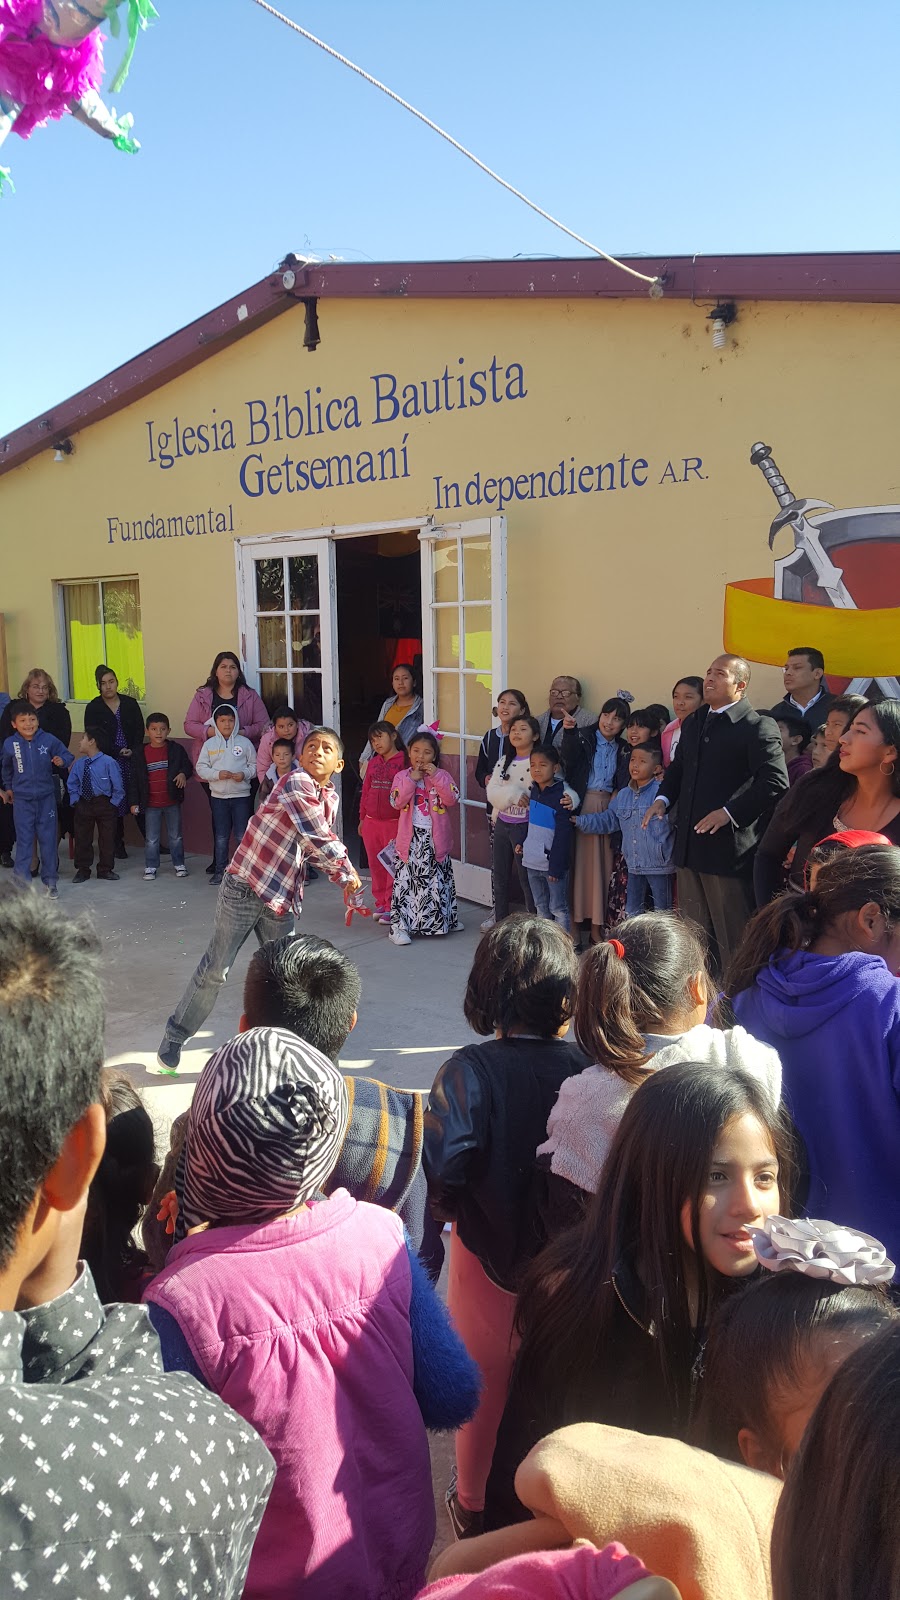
{"x":41,"y":76}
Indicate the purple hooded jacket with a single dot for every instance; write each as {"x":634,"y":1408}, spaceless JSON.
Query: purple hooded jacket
{"x":835,"y":1022}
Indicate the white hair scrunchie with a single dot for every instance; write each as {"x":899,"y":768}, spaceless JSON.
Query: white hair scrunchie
{"x":821,"y":1249}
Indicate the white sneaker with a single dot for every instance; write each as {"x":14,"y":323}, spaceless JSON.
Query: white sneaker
{"x":400,"y":937}
{"x":180,"y":872}
{"x":488,"y":923}
{"x":149,"y":874}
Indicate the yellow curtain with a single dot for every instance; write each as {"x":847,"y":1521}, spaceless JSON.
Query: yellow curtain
{"x":114,"y":637}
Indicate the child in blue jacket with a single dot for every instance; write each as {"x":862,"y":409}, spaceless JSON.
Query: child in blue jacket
{"x":547,"y":851}
{"x":647,"y":851}
{"x":28,"y":785}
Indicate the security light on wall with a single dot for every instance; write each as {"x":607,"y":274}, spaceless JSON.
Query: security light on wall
{"x":721,"y":316}
{"x":64,"y":449}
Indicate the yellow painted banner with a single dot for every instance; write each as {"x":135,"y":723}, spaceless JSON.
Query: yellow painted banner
{"x":854,"y":643}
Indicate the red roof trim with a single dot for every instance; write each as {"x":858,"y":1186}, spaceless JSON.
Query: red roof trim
{"x":861,"y":278}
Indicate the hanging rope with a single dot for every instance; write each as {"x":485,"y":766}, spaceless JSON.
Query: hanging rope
{"x":655,"y":283}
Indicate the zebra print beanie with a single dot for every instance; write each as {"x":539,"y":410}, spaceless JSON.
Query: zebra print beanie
{"x":264,"y":1130}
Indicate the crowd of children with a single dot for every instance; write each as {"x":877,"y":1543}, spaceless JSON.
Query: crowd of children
{"x":649,"y":1326}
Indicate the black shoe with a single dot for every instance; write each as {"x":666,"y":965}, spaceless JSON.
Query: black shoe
{"x":121,"y":853}
{"x":216,"y":879}
{"x":465,"y":1524}
{"x":108,"y":877}
{"x":6,"y":859}
{"x":36,"y":871}
{"x":211,"y":868}
{"x":81,"y":876}
{"x":167,"y":1057}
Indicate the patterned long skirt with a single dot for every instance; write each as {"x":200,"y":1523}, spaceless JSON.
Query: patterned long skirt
{"x":424,"y":896}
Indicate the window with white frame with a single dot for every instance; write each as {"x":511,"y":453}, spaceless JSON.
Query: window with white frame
{"x":100,"y":620}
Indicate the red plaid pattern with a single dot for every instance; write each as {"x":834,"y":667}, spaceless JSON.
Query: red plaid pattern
{"x":293,"y":824}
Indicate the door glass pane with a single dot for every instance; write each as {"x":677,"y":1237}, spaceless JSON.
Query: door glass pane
{"x":446,"y":569}
{"x":303,"y":583}
{"x":450,"y":762}
{"x":306,"y":640}
{"x":477,"y":569}
{"x":479,"y":705}
{"x":478,"y":841}
{"x":273,"y":689}
{"x":446,"y":637}
{"x":124,"y":639}
{"x":271,"y":642}
{"x":306,"y":689}
{"x":446,"y":700}
{"x":84,"y":636}
{"x":270,"y":584}
{"x":477,"y":623}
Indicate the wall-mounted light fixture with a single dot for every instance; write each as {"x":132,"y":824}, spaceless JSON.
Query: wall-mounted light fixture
{"x":63,"y":449}
{"x":721,"y":317}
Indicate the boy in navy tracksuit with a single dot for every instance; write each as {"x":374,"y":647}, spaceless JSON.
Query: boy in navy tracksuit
{"x":647,"y":849}
{"x":96,"y":791}
{"x":26,"y":770}
{"x":547,"y":851}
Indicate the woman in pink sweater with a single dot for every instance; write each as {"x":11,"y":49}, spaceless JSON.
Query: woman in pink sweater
{"x":314,"y":1320}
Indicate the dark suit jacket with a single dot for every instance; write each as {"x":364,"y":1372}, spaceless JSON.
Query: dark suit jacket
{"x":813,"y":716}
{"x":734,"y":759}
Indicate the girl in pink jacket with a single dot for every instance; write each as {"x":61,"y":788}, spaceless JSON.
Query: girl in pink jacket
{"x":424,"y":895}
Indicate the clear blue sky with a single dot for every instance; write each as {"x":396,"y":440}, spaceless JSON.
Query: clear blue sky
{"x":653,"y":127}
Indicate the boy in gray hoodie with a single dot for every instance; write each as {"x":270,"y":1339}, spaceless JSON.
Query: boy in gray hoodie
{"x":227,"y":763}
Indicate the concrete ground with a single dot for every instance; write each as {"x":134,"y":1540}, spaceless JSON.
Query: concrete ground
{"x":410,"y":1014}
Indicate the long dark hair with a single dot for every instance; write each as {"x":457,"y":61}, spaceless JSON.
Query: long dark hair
{"x":762,"y":1343}
{"x":835,"y":1534}
{"x":388,"y":727}
{"x":120,"y":1189}
{"x":225,"y":655}
{"x":847,"y":882}
{"x":620,"y":998}
{"x":659,"y":1161}
{"x":824,"y":790}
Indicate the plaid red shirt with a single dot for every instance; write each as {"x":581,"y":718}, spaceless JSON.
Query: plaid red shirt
{"x":292,"y":825}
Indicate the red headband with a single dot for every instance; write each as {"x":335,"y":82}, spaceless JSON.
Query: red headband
{"x":618,"y":947}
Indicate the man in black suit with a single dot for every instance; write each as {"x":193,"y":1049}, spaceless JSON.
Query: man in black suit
{"x":727,"y":773}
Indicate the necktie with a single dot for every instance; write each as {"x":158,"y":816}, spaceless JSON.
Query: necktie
{"x":87,"y":782}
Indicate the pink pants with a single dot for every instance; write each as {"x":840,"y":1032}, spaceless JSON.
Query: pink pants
{"x":375,"y":835}
{"x":484,"y":1317}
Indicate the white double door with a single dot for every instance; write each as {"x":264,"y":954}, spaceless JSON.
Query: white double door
{"x":287,"y":594}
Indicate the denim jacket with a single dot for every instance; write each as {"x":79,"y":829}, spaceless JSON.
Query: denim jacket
{"x":646,"y":850}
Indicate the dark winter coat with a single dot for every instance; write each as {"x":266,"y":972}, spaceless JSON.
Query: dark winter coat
{"x":734,"y":759}
{"x":98,"y":715}
{"x":487,"y":1113}
{"x":139,"y":778}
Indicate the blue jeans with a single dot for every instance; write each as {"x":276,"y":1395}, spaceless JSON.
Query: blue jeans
{"x":239,"y":912}
{"x":551,"y":899}
{"x":36,"y":819}
{"x":153,"y":822}
{"x":229,"y":815}
{"x":660,"y":886}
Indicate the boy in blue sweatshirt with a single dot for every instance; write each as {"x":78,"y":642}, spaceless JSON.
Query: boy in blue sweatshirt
{"x":96,"y":791}
{"x":29,"y":786}
{"x":647,"y":851}
{"x":547,"y":851}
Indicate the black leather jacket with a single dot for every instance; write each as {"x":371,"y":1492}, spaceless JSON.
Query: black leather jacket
{"x":486,"y":1115}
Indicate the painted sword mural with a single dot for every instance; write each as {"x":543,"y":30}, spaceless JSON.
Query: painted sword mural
{"x":810,"y":557}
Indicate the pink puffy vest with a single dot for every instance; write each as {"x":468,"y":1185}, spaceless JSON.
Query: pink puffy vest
{"x":302,"y":1325}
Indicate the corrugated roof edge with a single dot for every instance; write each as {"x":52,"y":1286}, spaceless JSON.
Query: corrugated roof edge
{"x":872,"y":277}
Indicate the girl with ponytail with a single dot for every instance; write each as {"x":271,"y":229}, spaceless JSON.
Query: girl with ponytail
{"x":815,"y":977}
{"x":641,"y":1004}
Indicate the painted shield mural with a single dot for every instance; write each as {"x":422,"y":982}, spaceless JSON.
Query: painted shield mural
{"x":836,"y":587}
